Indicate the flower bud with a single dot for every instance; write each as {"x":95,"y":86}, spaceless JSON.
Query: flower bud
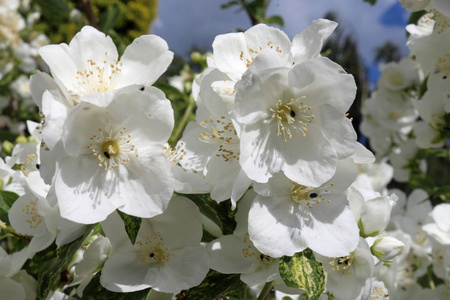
{"x":386,"y":248}
{"x":21,"y":139}
{"x":7,"y":147}
{"x":197,"y":57}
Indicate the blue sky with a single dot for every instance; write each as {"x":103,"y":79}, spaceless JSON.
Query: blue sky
{"x":196,"y":22}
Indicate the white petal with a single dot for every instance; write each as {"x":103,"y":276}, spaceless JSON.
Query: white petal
{"x":308,"y":43}
{"x":86,"y":192}
{"x":275,"y":226}
{"x":144,"y":61}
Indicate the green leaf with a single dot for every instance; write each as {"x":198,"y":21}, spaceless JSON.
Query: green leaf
{"x":371,"y":1}
{"x":95,"y":291}
{"x":228,"y":5}
{"x":132,"y":225}
{"x":226,"y":215}
{"x":6,"y":201}
{"x":217,"y":286}
{"x":109,"y":18}
{"x":303,"y":271}
{"x":423,"y":87}
{"x":8,"y":197}
{"x":208,"y":207}
{"x":48,"y":265}
{"x":275,"y":20}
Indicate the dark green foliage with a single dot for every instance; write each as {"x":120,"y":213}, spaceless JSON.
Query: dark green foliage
{"x":132,"y":225}
{"x":216,"y":286}
{"x":6,"y":201}
{"x":47,"y":265}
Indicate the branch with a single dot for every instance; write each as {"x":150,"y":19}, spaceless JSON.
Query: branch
{"x":87,"y":9}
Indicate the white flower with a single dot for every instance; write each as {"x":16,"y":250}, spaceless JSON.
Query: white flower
{"x":32,"y":216}
{"x":92,"y":261}
{"x":371,"y":210}
{"x":15,"y":283}
{"x":386,"y":248}
{"x":440,"y":229}
{"x":294,"y":121}
{"x":231,"y":254}
{"x":166,"y":256}
{"x":350,"y":277}
{"x":185,"y":182}
{"x":115,"y":157}
{"x":211,"y":144}
{"x":400,"y":159}
{"x":287,"y":217}
{"x":234,"y":53}
{"x":399,"y":75}
{"x":90,"y":63}
{"x":374,"y":176}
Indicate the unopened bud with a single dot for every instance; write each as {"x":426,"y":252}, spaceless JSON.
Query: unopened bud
{"x":386,"y":248}
{"x":21,"y":139}
{"x":7,"y":147}
{"x":197,"y":57}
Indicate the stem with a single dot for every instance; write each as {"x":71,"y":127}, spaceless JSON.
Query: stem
{"x":87,"y":9}
{"x":187,"y":113}
{"x":265,"y":290}
{"x":244,"y":293}
{"x":5,"y":228}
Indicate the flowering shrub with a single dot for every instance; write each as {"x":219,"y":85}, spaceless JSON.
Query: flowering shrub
{"x":267,"y":188}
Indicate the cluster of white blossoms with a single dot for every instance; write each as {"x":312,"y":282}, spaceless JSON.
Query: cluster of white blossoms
{"x":271,"y":133}
{"x":19,"y":44}
{"x":407,"y":114}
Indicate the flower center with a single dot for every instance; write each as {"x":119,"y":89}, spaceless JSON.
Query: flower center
{"x":292,"y":117}
{"x":30,"y":164}
{"x":396,"y":78}
{"x":34,"y":218}
{"x":308,"y":196}
{"x":96,"y":78}
{"x":174,"y":155}
{"x":223,"y":133}
{"x":151,"y":250}
{"x":342,"y":263}
{"x":249,"y":56}
{"x":251,"y":251}
{"x":443,"y":65}
{"x":112,"y":148}
{"x":441,"y":21}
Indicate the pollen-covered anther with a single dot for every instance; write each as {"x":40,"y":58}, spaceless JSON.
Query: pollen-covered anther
{"x":308,"y":196}
{"x":112,"y":148}
{"x":97,"y":77}
{"x":250,"y":251}
{"x":29,"y":165}
{"x":340,"y":264}
{"x":174,"y":155}
{"x":292,"y":117}
{"x":151,"y":250}
{"x":34,"y":218}
{"x":222,"y":132}
{"x":442,"y":65}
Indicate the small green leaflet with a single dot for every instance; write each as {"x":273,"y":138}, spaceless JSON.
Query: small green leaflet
{"x":303,"y":271}
{"x":132,"y":225}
